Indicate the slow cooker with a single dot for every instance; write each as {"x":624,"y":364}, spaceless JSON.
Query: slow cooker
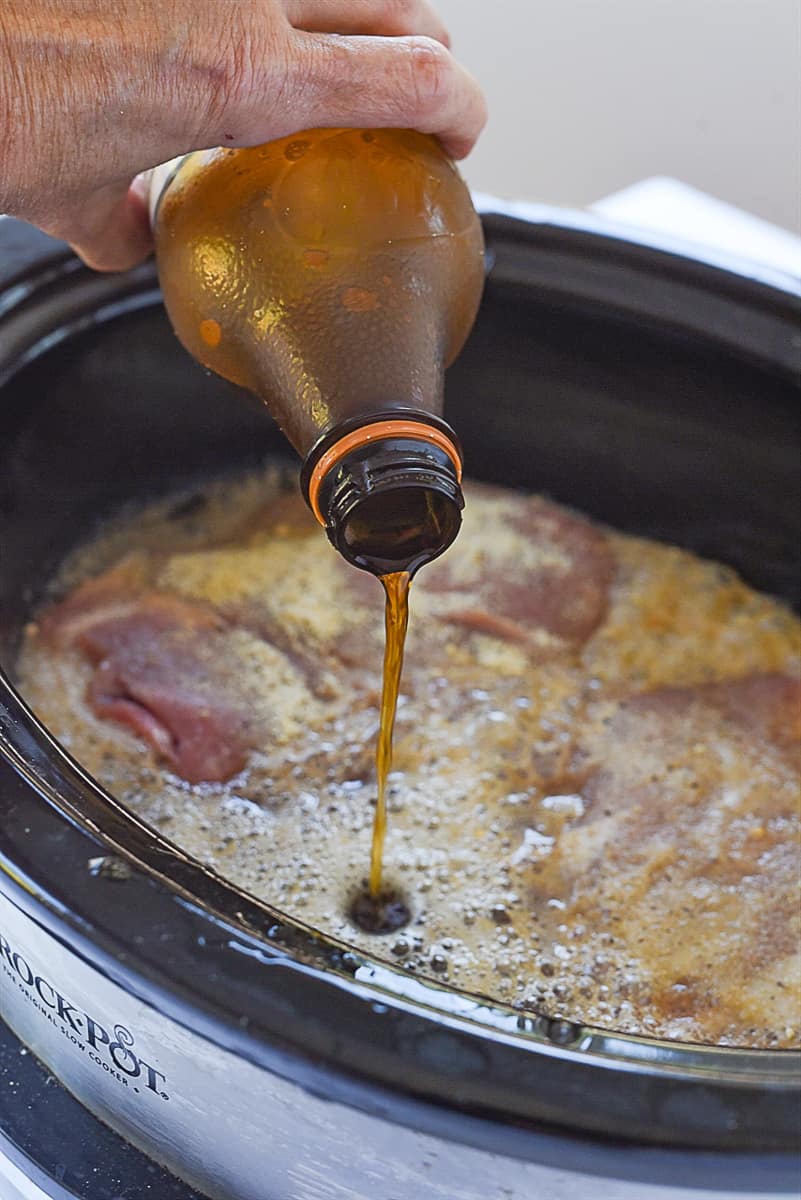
{"x":166,"y":1035}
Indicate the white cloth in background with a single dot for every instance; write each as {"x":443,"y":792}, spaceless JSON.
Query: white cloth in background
{"x":672,"y":216}
{"x":671,"y":207}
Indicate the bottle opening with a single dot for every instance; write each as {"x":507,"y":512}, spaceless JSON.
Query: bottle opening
{"x":392,"y":501}
{"x":399,"y":529}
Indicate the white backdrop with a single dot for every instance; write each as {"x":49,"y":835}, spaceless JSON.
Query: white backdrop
{"x":587,"y":96}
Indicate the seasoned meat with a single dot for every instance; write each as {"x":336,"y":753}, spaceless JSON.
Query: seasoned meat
{"x":163,"y":666}
{"x":684,"y":848}
{"x":532,"y":569}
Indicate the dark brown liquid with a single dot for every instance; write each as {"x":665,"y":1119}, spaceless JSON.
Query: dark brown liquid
{"x":396,"y":620}
{"x":284,"y":266}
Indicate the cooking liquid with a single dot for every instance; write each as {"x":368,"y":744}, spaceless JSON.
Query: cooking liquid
{"x":396,"y":621}
{"x":594,"y":792}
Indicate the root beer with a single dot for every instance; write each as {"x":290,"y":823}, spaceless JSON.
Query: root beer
{"x":336,"y":273}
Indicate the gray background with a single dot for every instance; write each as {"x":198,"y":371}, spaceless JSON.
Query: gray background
{"x":587,"y":96}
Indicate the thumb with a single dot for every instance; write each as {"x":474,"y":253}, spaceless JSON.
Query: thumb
{"x":112,"y":231}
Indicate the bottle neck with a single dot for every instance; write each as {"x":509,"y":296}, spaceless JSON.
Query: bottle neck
{"x":387,"y":489}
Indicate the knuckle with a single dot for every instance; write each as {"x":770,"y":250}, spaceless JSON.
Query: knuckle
{"x":430,"y":67}
{"x":226,"y":74}
{"x":233,"y":79}
{"x":314,"y":68}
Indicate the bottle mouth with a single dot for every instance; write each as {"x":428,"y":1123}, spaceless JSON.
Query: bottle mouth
{"x":388,"y":494}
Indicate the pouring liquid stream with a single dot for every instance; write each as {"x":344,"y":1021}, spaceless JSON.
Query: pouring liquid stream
{"x":396,"y":620}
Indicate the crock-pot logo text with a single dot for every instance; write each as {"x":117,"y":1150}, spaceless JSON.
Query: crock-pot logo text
{"x":112,"y":1052}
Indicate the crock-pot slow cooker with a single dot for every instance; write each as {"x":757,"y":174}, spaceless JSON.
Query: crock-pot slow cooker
{"x":251,"y":1057}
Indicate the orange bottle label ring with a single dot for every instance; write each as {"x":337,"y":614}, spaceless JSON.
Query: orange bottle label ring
{"x":374,"y":433}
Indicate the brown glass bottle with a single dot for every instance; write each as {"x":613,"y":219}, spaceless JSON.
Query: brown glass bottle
{"x":335,"y":273}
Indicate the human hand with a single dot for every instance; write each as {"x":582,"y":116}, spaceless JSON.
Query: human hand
{"x":92,"y":92}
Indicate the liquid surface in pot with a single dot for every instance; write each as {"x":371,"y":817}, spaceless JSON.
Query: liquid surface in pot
{"x":594,"y":802}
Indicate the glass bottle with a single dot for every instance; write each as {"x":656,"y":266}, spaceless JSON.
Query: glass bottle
{"x":335,"y":273}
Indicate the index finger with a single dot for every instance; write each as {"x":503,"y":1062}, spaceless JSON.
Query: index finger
{"x":389,"y":82}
